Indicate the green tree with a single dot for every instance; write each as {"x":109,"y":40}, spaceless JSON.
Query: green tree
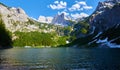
{"x":5,"y":37}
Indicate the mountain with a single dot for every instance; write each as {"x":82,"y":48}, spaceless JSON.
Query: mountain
{"x":15,"y":19}
{"x":106,"y":15}
{"x":61,"y":20}
{"x":11,"y":16}
{"x":106,"y":21}
{"x":104,"y":27}
{"x":100,"y":29}
{"x":18,"y":29}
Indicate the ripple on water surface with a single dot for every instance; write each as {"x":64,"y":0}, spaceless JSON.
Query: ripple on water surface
{"x":59,"y":59}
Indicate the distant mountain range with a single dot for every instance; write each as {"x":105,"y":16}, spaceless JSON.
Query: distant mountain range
{"x":16,"y":19}
{"x":59,"y":19}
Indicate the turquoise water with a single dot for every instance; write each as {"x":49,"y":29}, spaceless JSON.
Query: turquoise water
{"x":59,"y":59}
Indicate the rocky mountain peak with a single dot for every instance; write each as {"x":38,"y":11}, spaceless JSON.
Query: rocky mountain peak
{"x":106,"y":15}
{"x":62,"y":15}
{"x":20,"y":11}
{"x":106,"y":4}
{"x":61,"y":19}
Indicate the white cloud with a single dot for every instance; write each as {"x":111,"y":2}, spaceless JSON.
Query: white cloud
{"x":58,"y":5}
{"x":81,"y":3}
{"x":75,"y":7}
{"x":44,"y":19}
{"x":77,"y":15}
{"x":87,"y":7}
{"x":80,"y":6}
{"x":56,"y":2}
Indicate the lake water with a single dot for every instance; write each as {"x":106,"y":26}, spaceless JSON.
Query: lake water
{"x":59,"y":59}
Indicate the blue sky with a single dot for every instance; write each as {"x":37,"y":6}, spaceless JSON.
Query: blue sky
{"x":35,"y":8}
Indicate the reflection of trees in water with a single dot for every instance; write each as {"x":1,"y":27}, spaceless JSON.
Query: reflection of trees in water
{"x":0,"y":58}
{"x":5,"y":38}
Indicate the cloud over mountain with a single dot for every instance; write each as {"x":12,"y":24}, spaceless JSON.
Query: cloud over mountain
{"x":45,"y":19}
{"x":75,"y":10}
{"x":81,"y":5}
{"x":79,"y":15}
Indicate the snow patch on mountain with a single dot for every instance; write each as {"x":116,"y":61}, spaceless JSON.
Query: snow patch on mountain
{"x":107,"y":43}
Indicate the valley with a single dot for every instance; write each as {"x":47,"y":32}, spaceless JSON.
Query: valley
{"x":100,"y":29}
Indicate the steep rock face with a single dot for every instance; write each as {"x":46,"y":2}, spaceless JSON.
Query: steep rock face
{"x":61,"y":20}
{"x":106,"y":15}
{"x":106,"y":22}
{"x":15,"y":19}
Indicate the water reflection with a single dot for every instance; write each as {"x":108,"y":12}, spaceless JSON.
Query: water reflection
{"x":59,"y":59}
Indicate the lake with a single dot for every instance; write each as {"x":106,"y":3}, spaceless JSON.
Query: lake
{"x":59,"y":59}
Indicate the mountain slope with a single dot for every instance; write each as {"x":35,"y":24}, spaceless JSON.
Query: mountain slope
{"x":106,"y":20}
{"x":26,"y":31}
{"x":104,"y":27}
{"x":106,"y":15}
{"x":11,"y":16}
